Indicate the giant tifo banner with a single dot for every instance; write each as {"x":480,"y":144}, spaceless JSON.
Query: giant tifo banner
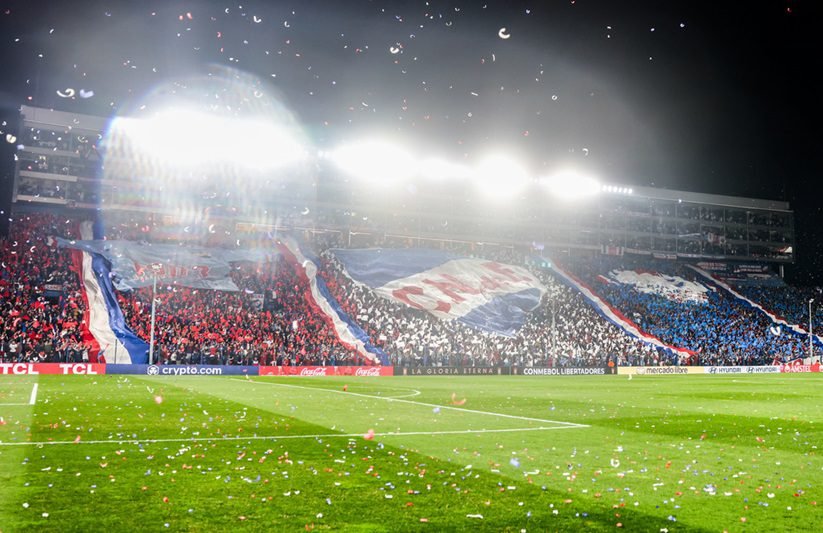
{"x":103,"y":327}
{"x":135,"y":264}
{"x":671,"y":287}
{"x":797,"y":329}
{"x":347,"y":331}
{"x":485,"y":294}
{"x":615,"y":316}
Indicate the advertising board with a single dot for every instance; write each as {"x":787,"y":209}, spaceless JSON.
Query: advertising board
{"x":660,"y":370}
{"x":52,"y":368}
{"x":320,"y":371}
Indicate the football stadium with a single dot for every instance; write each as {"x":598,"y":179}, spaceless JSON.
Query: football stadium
{"x":216,"y":316}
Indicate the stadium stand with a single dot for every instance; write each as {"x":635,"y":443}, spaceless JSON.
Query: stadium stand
{"x":217,"y":327}
{"x":563,"y":331}
{"x":720,"y":328}
{"x":789,"y":303}
{"x":43,"y":310}
{"x":41,"y":306}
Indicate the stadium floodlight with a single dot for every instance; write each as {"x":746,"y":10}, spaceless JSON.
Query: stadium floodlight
{"x":500,"y":176}
{"x":263,"y":145}
{"x":375,"y":161}
{"x":571,"y":185}
{"x":441,"y":170}
{"x":188,"y":138}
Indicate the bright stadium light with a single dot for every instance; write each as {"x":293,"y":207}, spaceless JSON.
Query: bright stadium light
{"x":267,"y":146}
{"x":500,"y":176}
{"x":188,"y":138}
{"x":375,"y":161}
{"x":441,"y":170}
{"x":570,"y":185}
{"x":175,"y":135}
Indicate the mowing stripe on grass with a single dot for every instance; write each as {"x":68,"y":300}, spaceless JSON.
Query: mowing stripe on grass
{"x":461,"y":409}
{"x":290,"y":437}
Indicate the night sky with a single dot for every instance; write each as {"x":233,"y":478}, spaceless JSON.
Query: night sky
{"x":710,"y":96}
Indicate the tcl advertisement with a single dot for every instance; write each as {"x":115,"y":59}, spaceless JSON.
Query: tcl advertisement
{"x":85,"y":369}
{"x":326,"y":371}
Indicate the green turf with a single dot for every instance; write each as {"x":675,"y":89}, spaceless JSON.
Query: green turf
{"x":676,"y":453}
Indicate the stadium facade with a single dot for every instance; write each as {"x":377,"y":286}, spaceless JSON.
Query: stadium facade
{"x":59,"y":167}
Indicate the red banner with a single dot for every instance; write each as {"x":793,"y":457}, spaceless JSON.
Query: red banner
{"x":90,"y":369}
{"x":326,"y":371}
{"x":800,"y":368}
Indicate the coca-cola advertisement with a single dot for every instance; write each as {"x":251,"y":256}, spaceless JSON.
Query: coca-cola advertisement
{"x":320,"y":371}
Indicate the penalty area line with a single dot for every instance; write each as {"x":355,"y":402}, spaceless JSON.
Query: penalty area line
{"x":285,"y":437}
{"x":33,"y":397}
{"x":461,"y":409}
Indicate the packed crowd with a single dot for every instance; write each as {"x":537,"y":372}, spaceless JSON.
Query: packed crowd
{"x":41,"y":306}
{"x":219,"y":327}
{"x":41,"y":313}
{"x":563,"y":332}
{"x":788,"y":303}
{"x":721,"y":329}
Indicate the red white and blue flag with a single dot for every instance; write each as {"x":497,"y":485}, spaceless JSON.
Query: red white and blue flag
{"x":488,"y":295}
{"x":104,"y":328}
{"x":617,"y":318}
{"x":348,"y":333}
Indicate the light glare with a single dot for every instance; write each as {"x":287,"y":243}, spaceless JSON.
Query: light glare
{"x":440,"y":169}
{"x":189,"y":139}
{"x":570,"y":185}
{"x":374,"y":161}
{"x":501,"y":176}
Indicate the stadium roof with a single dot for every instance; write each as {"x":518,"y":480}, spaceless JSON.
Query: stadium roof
{"x":62,"y":119}
{"x":712,"y":199}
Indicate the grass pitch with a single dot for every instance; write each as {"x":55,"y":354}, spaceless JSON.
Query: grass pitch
{"x":667,"y":453}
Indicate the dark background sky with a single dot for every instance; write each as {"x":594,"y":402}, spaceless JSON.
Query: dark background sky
{"x":714,"y":96}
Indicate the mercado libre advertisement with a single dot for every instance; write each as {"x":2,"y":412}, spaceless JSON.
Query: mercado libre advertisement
{"x":659,"y":370}
{"x":718,"y":370}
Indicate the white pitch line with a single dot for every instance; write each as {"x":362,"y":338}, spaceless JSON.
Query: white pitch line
{"x":414,"y":393}
{"x":461,"y":409}
{"x":283,"y":437}
{"x":7,"y":404}
{"x":33,"y":397}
